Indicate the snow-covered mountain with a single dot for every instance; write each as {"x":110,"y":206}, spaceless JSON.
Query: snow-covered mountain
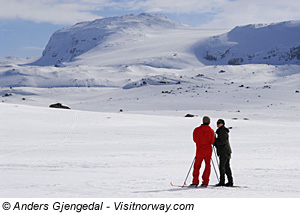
{"x":103,"y":35}
{"x":141,"y":50}
{"x":276,"y":44}
{"x":157,"y":41}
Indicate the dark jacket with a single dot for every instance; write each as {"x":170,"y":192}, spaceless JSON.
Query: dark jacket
{"x":222,"y":142}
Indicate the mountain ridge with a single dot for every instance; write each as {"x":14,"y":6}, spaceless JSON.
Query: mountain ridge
{"x":131,"y":39}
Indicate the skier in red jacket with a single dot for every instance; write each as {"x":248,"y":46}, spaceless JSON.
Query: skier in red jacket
{"x":204,"y":137}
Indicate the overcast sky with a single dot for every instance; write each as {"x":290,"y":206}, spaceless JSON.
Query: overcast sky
{"x":26,"y":25}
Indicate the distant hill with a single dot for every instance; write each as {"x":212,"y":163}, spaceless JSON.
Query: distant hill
{"x":101,"y":35}
{"x":277,"y":44}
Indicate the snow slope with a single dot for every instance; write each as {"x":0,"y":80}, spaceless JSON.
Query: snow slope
{"x":276,"y":44}
{"x":149,"y":143}
{"x":102,"y":41}
{"x":96,"y":154}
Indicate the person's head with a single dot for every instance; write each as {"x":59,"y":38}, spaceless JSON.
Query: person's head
{"x":220,"y":123}
{"x":206,"y":120}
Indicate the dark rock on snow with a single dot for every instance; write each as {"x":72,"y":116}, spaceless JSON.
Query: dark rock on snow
{"x":59,"y":105}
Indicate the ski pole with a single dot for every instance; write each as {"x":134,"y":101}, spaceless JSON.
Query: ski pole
{"x":216,"y":155}
{"x":189,"y":172}
{"x":215,"y":170}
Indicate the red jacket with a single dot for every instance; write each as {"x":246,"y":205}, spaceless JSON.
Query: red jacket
{"x":204,"y":137}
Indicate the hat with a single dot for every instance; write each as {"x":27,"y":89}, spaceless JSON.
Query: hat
{"x":206,"y":120}
{"x":221,"y":121}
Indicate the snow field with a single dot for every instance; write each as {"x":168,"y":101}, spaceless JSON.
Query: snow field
{"x":63,"y":153}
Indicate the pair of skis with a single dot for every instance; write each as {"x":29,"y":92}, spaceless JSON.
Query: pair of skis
{"x":209,"y":186}
{"x":185,"y":186}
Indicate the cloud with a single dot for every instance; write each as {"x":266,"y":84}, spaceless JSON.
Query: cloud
{"x":222,"y":13}
{"x":175,"y":6}
{"x":243,"y":12}
{"x":52,"y":11}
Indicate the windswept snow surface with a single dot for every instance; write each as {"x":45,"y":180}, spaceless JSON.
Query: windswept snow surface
{"x":126,"y":135}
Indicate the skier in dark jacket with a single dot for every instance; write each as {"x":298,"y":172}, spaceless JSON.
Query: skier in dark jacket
{"x":224,"y":153}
